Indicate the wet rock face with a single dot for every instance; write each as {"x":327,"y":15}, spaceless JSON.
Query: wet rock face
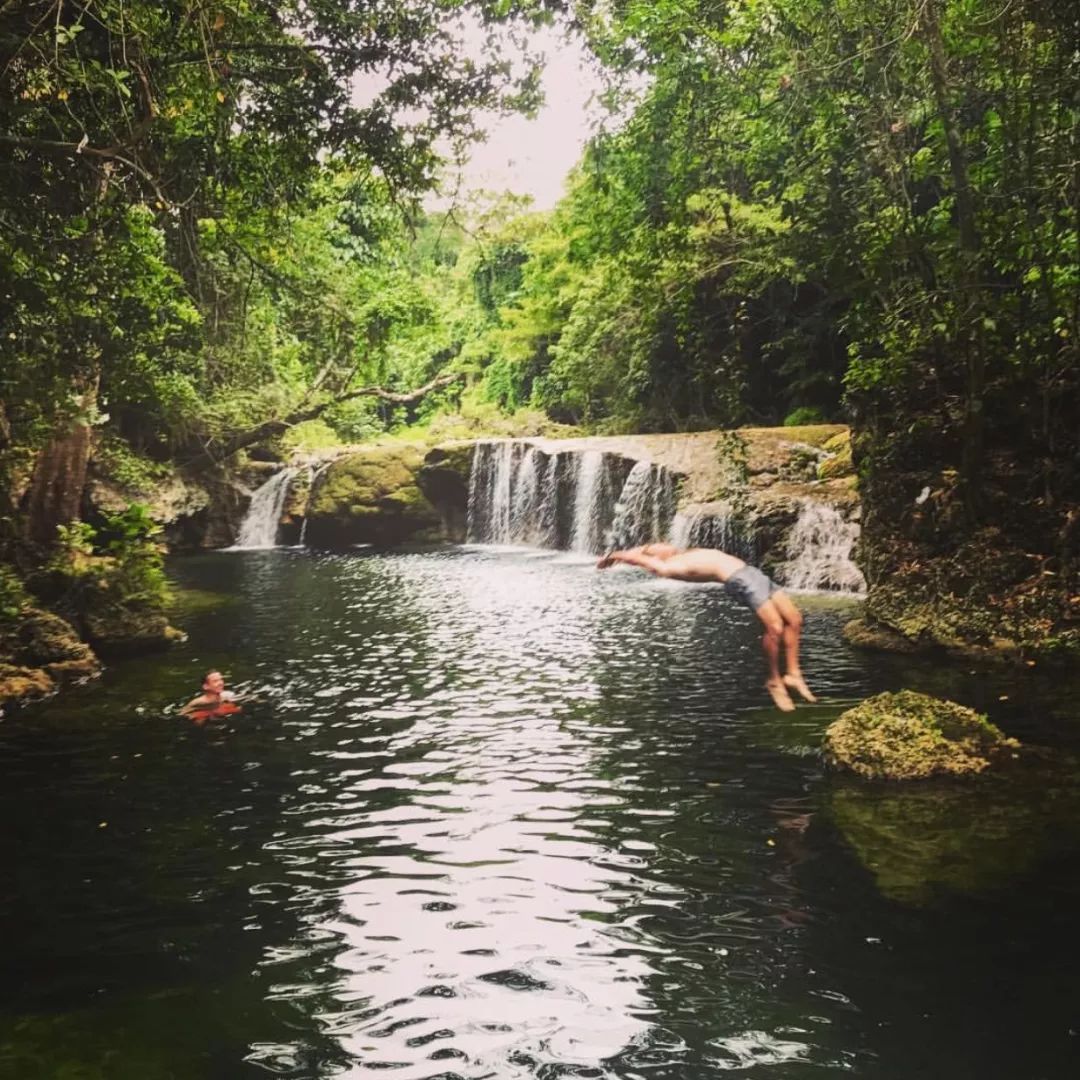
{"x":372,"y":498}
{"x":911,"y":736}
{"x":444,"y":480}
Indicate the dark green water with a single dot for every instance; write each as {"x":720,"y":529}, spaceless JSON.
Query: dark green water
{"x":499,"y":815}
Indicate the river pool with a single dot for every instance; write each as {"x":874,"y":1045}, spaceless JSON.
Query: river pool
{"x":496,"y":814}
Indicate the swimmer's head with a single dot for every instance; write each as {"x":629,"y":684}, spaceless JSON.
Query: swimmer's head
{"x":214,"y":683}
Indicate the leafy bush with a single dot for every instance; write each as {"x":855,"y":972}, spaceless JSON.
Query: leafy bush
{"x":118,"y":462}
{"x":310,"y":435}
{"x":13,"y":596}
{"x":805,"y":414}
{"x":138,"y":574}
{"x":121,"y":561}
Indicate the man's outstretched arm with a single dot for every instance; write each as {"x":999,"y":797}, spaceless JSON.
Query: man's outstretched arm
{"x":636,"y":557}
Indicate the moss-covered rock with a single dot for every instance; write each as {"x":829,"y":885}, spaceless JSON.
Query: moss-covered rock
{"x":23,"y":684}
{"x":866,"y":634}
{"x":911,"y":736}
{"x":984,"y":598}
{"x":124,"y":630}
{"x":38,"y":651}
{"x":372,"y":498}
{"x":839,"y":462}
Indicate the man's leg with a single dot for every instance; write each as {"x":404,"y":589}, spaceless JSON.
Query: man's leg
{"x":792,"y":635}
{"x":770,"y":643}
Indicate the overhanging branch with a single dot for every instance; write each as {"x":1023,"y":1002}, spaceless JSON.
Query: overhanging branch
{"x":207,"y":456}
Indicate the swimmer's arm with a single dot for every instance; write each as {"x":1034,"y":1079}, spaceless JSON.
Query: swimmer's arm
{"x":637,"y":557}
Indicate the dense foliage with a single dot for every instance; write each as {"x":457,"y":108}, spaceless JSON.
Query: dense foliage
{"x":195,"y":198}
{"x":800,"y":208}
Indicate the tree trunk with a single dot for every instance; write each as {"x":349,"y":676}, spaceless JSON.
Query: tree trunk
{"x":968,"y":278}
{"x":56,"y":486}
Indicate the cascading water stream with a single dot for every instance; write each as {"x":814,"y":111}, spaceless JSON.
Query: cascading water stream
{"x":590,"y":492}
{"x":645,"y":507}
{"x":314,"y":473}
{"x":525,"y":498}
{"x":518,"y":494}
{"x":719,"y":527}
{"x":260,"y":526}
{"x":819,"y":548}
{"x":491,"y":483}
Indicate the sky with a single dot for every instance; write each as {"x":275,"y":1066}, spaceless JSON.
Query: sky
{"x":533,"y":157}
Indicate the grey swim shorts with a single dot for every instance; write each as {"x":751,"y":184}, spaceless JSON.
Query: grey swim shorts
{"x":750,"y":587}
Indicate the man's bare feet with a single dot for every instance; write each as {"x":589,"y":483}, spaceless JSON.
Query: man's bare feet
{"x":798,"y":684}
{"x":781,"y":698}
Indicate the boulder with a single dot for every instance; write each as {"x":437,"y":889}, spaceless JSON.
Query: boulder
{"x":838,"y":462}
{"x":372,"y":498}
{"x":122,"y":630}
{"x":911,"y":736}
{"x":39,"y":650}
{"x":444,"y":480}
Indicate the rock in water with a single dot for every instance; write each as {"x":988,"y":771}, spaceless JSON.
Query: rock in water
{"x":910,"y":736}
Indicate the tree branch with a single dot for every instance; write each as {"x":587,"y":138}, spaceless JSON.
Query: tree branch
{"x":209,"y":455}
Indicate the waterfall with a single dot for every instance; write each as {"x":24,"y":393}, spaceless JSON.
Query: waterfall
{"x":259,"y":528}
{"x":525,"y":498}
{"x":589,"y":486}
{"x":645,"y":507}
{"x":819,"y":551}
{"x":519,"y":494}
{"x":716,"y":527}
{"x":491,"y":490}
{"x":314,"y":472}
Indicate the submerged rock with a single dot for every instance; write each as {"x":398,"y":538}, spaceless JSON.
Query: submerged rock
{"x":120,"y":630}
{"x":911,"y":736}
{"x":923,"y":839}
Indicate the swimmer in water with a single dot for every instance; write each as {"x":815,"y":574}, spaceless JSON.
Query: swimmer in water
{"x":215,"y":700}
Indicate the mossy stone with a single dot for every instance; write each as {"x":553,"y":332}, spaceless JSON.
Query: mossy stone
{"x":444,"y":480}
{"x":839,"y":462}
{"x":372,"y":497}
{"x":912,"y":736}
{"x":23,"y":684}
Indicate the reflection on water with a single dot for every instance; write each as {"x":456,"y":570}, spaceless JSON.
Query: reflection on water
{"x":493,"y":815}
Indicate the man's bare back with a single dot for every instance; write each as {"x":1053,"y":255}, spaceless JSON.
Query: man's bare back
{"x":781,"y":618}
{"x":693,"y":564}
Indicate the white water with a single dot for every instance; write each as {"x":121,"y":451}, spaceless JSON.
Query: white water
{"x":525,"y":498}
{"x":718,"y":527}
{"x":518,"y":494}
{"x":644,"y":507}
{"x":819,"y":552}
{"x":259,"y":528}
{"x":588,"y":502}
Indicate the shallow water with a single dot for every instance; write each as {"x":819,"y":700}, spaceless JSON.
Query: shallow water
{"x":495,"y":814}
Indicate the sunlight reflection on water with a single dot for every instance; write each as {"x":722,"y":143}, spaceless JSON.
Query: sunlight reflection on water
{"x":495,"y":814}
